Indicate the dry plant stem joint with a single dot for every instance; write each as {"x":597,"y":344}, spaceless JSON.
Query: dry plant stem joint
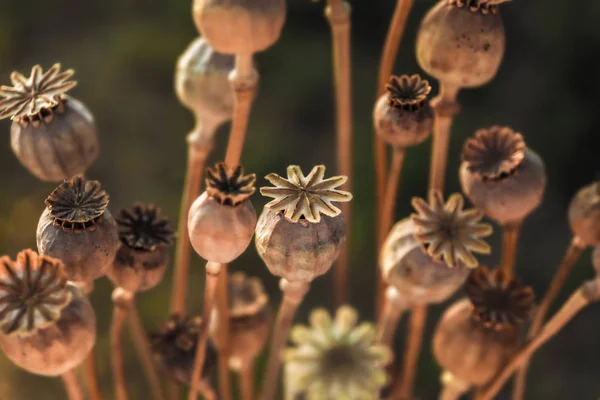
{"x":391,"y":313}
{"x":72,"y":385}
{"x":452,"y":388}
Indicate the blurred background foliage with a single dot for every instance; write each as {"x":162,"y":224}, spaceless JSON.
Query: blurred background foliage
{"x":124,"y":54}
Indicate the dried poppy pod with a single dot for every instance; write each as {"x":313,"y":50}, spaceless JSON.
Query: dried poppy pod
{"x":143,"y":256}
{"x":221,"y":221}
{"x":501,"y":176}
{"x":47,"y":325}
{"x":174,"y":348}
{"x":461,"y":42}
{"x":78,"y":229}
{"x":427,"y":257}
{"x":249,"y":320}
{"x":402,"y":115}
{"x":294,"y":240}
{"x":239,"y":26}
{"x":53,"y":135}
{"x":584,"y":214}
{"x":475,"y":339}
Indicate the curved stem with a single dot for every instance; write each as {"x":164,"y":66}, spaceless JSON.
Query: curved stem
{"x":338,"y":15}
{"x":571,"y":256}
{"x":412,"y":352}
{"x":388,"y":57}
{"x":446,"y":108}
{"x":142,"y":348}
{"x":583,"y":296}
{"x":247,"y":380}
{"x":213,"y":270}
{"x":72,"y":385}
{"x":509,"y":248}
{"x":116,"y":344}
{"x":390,"y":316}
{"x":293,"y":293}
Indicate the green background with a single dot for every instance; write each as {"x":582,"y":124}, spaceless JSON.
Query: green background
{"x":124,"y":54}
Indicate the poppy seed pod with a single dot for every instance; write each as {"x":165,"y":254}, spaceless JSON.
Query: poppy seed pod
{"x":294,"y":240}
{"x":402,"y":115}
{"x":239,"y":26}
{"x":143,"y":256}
{"x":77,"y":228}
{"x":501,"y":176}
{"x":52,"y":135}
{"x":47,"y":325}
{"x":221,"y":221}
{"x":584,"y":214}
{"x":475,"y":339}
{"x":249,"y":320}
{"x":174,"y":348}
{"x":461,"y":42}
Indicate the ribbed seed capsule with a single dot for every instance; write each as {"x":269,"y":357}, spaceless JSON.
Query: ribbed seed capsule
{"x":53,"y":135}
{"x":584,"y":214}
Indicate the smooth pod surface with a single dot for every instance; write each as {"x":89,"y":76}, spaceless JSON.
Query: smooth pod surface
{"x":137,"y":270}
{"x":402,"y":128}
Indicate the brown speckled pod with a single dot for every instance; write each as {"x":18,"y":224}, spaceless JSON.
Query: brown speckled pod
{"x":78,"y":229}
{"x":461,"y":42}
{"x":501,"y":176}
{"x":142,"y":258}
{"x":239,"y":26}
{"x":52,"y":135}
{"x":52,"y":326}
{"x":584,"y":214}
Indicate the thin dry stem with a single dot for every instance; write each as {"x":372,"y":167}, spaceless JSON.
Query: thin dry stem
{"x":583,"y":296}
{"x":224,"y":350}
{"x":116,"y":345}
{"x":142,"y":348}
{"x":509,"y":248}
{"x":91,"y":376}
{"x":412,"y":352}
{"x":207,"y":391}
{"x":452,"y":388}
{"x":390,"y":317}
{"x":72,"y":385}
{"x":293,"y":294}
{"x":213,"y":270}
{"x":247,"y":380}
{"x":338,"y":15}
{"x":562,"y":273}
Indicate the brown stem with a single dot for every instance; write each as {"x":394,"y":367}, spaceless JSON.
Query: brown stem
{"x":91,"y":376}
{"x":142,"y":348}
{"x":122,"y":300}
{"x":412,"y":352}
{"x":224,"y":349}
{"x":571,"y":256}
{"x":199,"y":147}
{"x":452,"y":388}
{"x":391,"y":313}
{"x":338,"y":15}
{"x":207,"y":391}
{"x":210,"y":287}
{"x":388,"y":58}
{"x":509,"y":248}
{"x":583,"y":296}
{"x":72,"y":385}
{"x":293,"y":293}
{"x":247,"y":380}
{"x":446,"y":108}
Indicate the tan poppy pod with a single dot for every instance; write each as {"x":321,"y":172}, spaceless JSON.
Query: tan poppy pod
{"x":249,"y":320}
{"x":53,"y":135}
{"x":239,"y":26}
{"x":143,"y":256}
{"x":584,"y":214}
{"x":47,"y":325}
{"x":461,"y":42}
{"x":78,"y":229}
{"x":403,"y":117}
{"x":221,"y":221}
{"x":501,"y":176}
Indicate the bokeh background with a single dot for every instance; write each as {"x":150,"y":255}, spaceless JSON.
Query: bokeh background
{"x":124,"y":53}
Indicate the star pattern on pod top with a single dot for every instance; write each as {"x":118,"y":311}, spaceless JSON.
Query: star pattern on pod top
{"x":41,"y":91}
{"x":448,"y":233}
{"x":306,"y":197}
{"x":407,"y":92}
{"x":142,"y":227}
{"x":229,"y":186}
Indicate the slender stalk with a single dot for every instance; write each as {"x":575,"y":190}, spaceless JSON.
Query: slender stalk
{"x":509,"y":247}
{"x":247,"y":380}
{"x":91,"y":376}
{"x":122,"y":300}
{"x":446,"y":108}
{"x":391,"y":194}
{"x":224,"y":374}
{"x":142,"y":348}
{"x":412,"y":352}
{"x":583,"y":296}
{"x":388,"y":57}
{"x":224,"y":350}
{"x":293,"y":294}
{"x":392,"y":311}
{"x":198,"y":150}
{"x":72,"y":385}
{"x":572,"y":255}
{"x":212,"y":277}
{"x":452,"y":388}
{"x":207,"y":391}
{"x":338,"y":15}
